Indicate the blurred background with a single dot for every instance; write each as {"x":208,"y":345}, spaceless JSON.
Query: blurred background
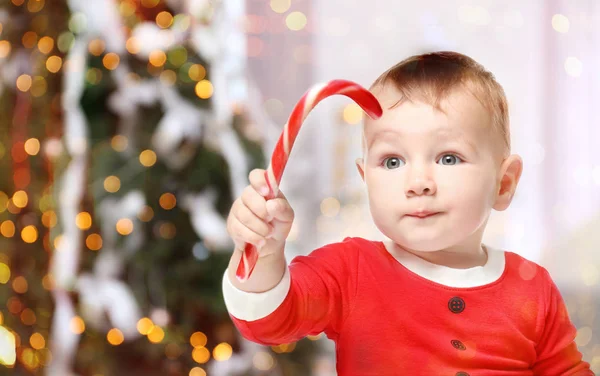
{"x":127,"y":127}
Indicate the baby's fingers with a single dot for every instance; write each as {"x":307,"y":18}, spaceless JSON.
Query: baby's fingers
{"x":247,"y":227}
{"x":258,"y":181}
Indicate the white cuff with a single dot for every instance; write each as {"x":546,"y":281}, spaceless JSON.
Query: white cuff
{"x":251,"y":306}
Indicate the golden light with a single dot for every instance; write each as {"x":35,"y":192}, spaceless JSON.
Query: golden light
{"x":1,"y":318}
{"x":197,"y":371}
{"x":150,"y":3}
{"x":37,"y":341}
{"x":197,"y":72}
{"x":263,"y":361}
{"x":20,"y":285}
{"x":48,"y":282}
{"x":53,"y":64}
{"x":28,"y":317}
{"x":204,"y":89}
{"x":200,"y":355}
{"x":167,"y":230}
{"x":4,"y":48}
{"x":29,"y":39}
{"x":83,"y":220}
{"x":77,"y":325}
{"x":119,"y":142}
{"x":115,"y":337}
{"x":560,"y":23}
{"x":146,"y":214}
{"x":352,"y":114}
{"x":32,"y":146}
{"x":295,"y":21}
{"x":20,"y":199}
{"x":3,"y":201}
{"x":7,"y":229}
{"x":280,"y":6}
{"x":28,"y":356}
{"x":112,"y":184}
{"x":133,"y":45}
{"x":4,"y":273}
{"x":93,"y":242}
{"x":29,"y":234}
{"x":167,"y":201}
{"x":157,"y":58}
{"x":111,"y":61}
{"x":24,"y":82}
{"x":45,"y":45}
{"x":198,"y":339}
{"x":96,"y":47}
{"x":147,"y":158}
{"x":164,"y":19}
{"x":222,"y":351}
{"x":127,"y":8}
{"x":18,"y":2}
{"x":156,"y":334}
{"x":35,"y":6}
{"x":7,"y":351}
{"x":124,"y":226}
{"x":58,"y":241}
{"x":144,"y":325}
{"x":49,"y":219}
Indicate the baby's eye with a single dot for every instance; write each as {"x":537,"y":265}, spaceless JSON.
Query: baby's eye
{"x":392,"y":162}
{"x":449,"y":159}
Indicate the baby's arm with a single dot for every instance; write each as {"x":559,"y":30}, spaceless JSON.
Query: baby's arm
{"x":311,"y":298}
{"x":557,"y":353}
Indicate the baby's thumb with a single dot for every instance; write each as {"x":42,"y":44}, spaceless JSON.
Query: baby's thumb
{"x":281,"y":216}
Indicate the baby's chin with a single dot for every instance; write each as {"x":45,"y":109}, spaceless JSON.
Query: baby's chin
{"x":423,"y":244}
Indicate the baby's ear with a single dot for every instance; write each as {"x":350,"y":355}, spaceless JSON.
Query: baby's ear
{"x":510,"y":173}
{"x":360,"y":165}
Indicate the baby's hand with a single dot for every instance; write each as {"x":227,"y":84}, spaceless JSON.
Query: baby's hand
{"x":253,"y":219}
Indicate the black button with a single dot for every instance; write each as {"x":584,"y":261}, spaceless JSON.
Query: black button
{"x":462,"y":374}
{"x":458,"y":345}
{"x":456,"y":305}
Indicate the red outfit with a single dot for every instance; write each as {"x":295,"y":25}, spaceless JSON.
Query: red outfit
{"x":387,"y":319}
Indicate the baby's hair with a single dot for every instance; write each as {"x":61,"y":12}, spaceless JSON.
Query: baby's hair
{"x":432,"y":77}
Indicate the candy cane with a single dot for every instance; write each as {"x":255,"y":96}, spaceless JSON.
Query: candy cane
{"x":280,"y":156}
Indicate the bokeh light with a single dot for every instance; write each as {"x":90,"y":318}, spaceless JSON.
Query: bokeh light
{"x":77,"y":325}
{"x":280,"y":6}
{"x":115,"y":337}
{"x":295,"y":21}
{"x":83,"y":220}
{"x":148,"y":158}
{"x":204,"y":89}
{"x":112,"y":184}
{"x":124,"y":226}
{"x":560,"y":23}
{"x":94,"y":242}
{"x":222,"y":351}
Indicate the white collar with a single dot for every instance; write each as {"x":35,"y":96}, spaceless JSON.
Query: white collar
{"x":471,"y":277}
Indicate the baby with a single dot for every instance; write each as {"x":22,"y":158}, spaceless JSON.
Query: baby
{"x":431,"y":300}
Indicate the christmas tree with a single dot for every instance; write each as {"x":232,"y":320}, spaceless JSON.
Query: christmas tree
{"x":123,"y":140}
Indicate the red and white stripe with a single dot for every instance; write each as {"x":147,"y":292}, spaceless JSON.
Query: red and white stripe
{"x":284,"y":145}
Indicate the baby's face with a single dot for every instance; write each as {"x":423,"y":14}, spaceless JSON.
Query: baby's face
{"x":419,"y":160}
